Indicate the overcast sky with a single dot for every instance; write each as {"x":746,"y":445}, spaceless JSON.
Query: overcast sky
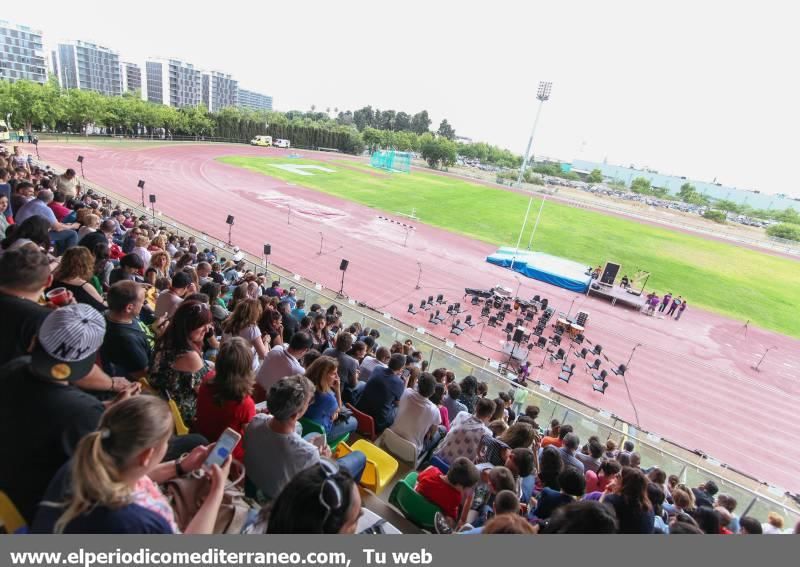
{"x":703,"y":89}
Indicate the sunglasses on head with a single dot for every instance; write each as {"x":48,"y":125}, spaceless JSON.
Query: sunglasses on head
{"x":330,"y":493}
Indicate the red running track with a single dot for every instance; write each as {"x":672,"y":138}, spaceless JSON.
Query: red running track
{"x":691,"y":380}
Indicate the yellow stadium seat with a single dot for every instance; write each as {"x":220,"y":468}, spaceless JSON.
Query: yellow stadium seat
{"x":180,"y":426}
{"x":381,"y":466}
{"x":146,"y":387}
{"x":10,"y":517}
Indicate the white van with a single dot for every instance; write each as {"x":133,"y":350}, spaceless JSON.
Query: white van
{"x":281,"y":143}
{"x":265,"y":141}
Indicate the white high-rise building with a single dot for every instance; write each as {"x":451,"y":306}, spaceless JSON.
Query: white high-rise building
{"x":253,"y":100}
{"x":131,"y":74}
{"x":21,"y":53}
{"x":219,"y":90}
{"x":90,"y":67}
{"x":172,"y":82}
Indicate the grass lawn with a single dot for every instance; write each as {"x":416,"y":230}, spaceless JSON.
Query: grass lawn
{"x":733,"y":281}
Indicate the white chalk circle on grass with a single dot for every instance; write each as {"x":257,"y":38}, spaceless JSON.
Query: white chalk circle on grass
{"x":302,"y":169}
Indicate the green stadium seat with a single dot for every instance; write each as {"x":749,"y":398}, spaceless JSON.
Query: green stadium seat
{"x":413,"y":505}
{"x":314,"y":427}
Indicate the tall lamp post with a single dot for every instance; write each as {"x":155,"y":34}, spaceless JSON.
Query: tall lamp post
{"x":542,"y":94}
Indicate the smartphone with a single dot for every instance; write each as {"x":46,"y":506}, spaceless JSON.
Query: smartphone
{"x":223,"y":448}
{"x":319,"y":440}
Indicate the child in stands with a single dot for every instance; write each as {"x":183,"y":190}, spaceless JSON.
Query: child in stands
{"x":450,"y":492}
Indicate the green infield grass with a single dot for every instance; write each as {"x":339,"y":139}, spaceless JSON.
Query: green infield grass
{"x":734,"y":281}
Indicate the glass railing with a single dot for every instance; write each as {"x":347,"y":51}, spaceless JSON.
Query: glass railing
{"x":754,"y":498}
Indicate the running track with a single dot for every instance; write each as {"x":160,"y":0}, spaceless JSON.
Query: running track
{"x":691,"y":380}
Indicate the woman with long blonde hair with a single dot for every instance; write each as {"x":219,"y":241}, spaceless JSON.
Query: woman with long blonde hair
{"x":114,"y":476}
{"x":159,"y":261}
{"x":243,"y":322}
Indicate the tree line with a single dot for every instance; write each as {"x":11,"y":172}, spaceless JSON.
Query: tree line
{"x":49,"y":107}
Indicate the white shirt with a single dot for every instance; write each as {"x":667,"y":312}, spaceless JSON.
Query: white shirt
{"x":369,"y":364}
{"x":415,"y":417}
{"x":277,"y":364}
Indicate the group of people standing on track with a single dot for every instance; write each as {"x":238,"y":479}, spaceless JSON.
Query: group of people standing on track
{"x":673,"y":306}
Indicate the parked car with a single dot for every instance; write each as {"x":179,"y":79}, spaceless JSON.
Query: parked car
{"x":281,"y":143}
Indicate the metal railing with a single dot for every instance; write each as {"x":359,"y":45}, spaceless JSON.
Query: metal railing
{"x":755,"y":498}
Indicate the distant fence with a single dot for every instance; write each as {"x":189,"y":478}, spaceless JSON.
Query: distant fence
{"x":67,"y":137}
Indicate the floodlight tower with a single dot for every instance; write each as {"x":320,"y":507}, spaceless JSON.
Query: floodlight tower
{"x":542,"y":95}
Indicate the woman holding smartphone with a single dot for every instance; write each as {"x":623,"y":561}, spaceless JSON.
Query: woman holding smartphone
{"x":111,"y":483}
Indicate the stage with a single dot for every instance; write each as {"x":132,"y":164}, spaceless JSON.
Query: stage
{"x":616,"y":293}
{"x":554,"y":270}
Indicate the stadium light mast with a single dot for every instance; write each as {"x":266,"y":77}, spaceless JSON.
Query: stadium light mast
{"x":542,"y":94}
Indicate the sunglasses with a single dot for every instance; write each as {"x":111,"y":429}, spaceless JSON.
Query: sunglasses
{"x":330,"y":494}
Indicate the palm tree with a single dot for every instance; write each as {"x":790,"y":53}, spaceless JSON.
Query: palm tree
{"x":313,"y":107}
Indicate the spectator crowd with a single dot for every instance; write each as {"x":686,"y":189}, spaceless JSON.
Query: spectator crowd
{"x":127,"y":351}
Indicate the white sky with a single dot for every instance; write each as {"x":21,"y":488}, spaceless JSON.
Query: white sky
{"x":697,"y":88}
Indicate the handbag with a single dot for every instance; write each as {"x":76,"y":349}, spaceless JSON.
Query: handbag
{"x":186,"y":495}
{"x":344,"y":414}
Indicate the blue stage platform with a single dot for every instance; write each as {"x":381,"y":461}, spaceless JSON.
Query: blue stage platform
{"x":540,"y":266}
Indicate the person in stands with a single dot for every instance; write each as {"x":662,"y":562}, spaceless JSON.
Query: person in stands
{"x":437,"y":400}
{"x":274,"y":452}
{"x":328,"y":497}
{"x":111,"y":484}
{"x":557,"y":434}
{"x":169,"y":299}
{"x":381,"y":359}
{"x":327,"y":406}
{"x":4,"y":204}
{"x":64,"y":236}
{"x":381,"y":395}
{"x":451,"y":403}
{"x":128,"y":343}
{"x":348,"y":368}
{"x":705,"y":493}
{"x":178,"y":365}
{"x":593,"y":457}
{"x":598,"y":481}
{"x":243,"y":323}
{"x":750,"y":526}
{"x":74,"y":273}
{"x":469,"y":393}
{"x":449,"y":492}
{"x":585,"y":517}
{"x":569,"y":449}
{"x":418,"y":419}
{"x":629,"y":499}
{"x":283,"y":361}
{"x":130,"y":268}
{"x":465,"y":436}
{"x":41,"y":405}
{"x":68,"y":184}
{"x":224,"y":400}
{"x":572,"y":485}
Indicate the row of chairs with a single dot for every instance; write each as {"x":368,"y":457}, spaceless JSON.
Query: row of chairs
{"x":385,"y":453}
